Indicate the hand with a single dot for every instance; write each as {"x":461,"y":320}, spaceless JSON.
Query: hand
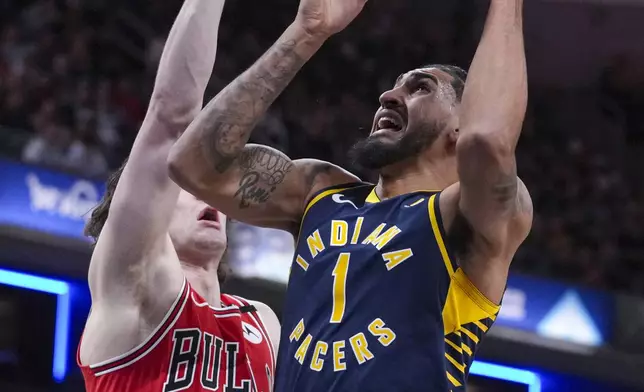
{"x":327,"y":17}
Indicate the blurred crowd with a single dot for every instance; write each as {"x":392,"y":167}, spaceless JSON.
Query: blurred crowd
{"x":75,"y":77}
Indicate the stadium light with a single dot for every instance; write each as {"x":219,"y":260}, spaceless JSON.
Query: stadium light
{"x":507,"y":373}
{"x":63,"y":310}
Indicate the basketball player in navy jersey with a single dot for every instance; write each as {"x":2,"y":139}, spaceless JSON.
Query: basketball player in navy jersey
{"x":392,"y":285}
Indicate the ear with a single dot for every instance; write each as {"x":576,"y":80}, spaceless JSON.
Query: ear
{"x":453,"y":126}
{"x":453,"y":136}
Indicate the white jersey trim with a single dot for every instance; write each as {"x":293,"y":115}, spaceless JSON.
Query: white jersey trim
{"x":235,"y":309}
{"x":206,"y":304}
{"x":270,"y":341}
{"x":260,"y":323}
{"x":163,"y":324}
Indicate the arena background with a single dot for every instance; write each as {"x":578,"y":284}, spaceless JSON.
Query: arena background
{"x":75,"y":77}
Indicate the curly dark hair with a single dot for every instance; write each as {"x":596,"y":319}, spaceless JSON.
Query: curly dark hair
{"x":100,"y":213}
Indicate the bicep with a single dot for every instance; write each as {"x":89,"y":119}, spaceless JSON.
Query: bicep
{"x":490,"y":193}
{"x":263,"y":186}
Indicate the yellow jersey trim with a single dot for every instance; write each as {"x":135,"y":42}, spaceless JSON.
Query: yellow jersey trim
{"x":453,"y":380}
{"x":439,"y":238}
{"x":457,"y":276}
{"x":319,"y":197}
{"x":482,"y":326}
{"x":373,"y":197}
{"x":459,"y":366}
{"x":465,"y":304}
{"x":466,"y":348}
{"x":314,"y":200}
{"x":470,"y":335}
{"x":454,"y":346}
{"x":475,"y":295}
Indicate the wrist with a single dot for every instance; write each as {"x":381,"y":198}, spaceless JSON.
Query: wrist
{"x":308,"y":35}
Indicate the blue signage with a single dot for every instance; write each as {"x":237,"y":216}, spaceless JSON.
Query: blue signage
{"x":59,"y":204}
{"x":555,"y":310}
{"x":46,"y":201}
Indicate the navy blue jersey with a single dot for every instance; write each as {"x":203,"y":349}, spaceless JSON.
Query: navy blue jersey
{"x":374,"y":300}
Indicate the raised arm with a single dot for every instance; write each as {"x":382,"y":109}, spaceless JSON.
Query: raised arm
{"x":494,"y":202}
{"x":135,"y":232}
{"x":253,"y":183}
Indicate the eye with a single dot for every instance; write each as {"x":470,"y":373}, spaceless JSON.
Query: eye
{"x":423,"y":88}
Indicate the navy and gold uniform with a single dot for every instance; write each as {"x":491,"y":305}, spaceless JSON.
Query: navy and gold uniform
{"x":374,"y":300}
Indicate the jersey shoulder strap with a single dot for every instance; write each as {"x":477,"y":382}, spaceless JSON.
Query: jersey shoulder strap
{"x":322,"y":193}
{"x":440,"y":235}
{"x":145,"y":347}
{"x":246,"y":307}
{"x":243,"y":304}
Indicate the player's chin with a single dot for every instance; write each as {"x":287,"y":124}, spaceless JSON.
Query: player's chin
{"x":386,"y":134}
{"x":209,"y":242}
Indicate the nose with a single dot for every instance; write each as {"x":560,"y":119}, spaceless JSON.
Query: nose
{"x":391,"y":99}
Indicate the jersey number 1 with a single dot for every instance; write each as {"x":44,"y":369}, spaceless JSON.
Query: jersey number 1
{"x":340,"y":273}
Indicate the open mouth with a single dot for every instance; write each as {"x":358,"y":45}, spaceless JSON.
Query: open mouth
{"x":208,"y":214}
{"x":390,"y":120}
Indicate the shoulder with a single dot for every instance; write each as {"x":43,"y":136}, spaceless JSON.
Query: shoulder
{"x":270,"y":320}
{"x":265,"y":311}
{"x":317,"y":176}
{"x":321,"y":174}
{"x":267,"y":315}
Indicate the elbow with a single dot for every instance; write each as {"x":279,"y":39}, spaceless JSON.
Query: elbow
{"x":191,"y":174}
{"x":169,"y":110}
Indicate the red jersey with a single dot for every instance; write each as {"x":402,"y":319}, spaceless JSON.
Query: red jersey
{"x":197,"y":347}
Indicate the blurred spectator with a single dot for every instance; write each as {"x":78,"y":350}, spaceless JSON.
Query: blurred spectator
{"x":75,"y":77}
{"x":49,"y":146}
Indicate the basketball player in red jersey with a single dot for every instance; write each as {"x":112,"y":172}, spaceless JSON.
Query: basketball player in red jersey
{"x":158,"y":321}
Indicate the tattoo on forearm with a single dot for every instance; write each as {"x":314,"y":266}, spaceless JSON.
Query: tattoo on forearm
{"x":233,"y":114}
{"x":221,"y":147}
{"x":263,"y":170}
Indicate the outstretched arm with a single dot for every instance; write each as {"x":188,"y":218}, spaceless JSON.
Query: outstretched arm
{"x":135,"y":233}
{"x":253,"y":183}
{"x":492,"y":199}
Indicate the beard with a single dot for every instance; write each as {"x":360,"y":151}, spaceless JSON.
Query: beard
{"x":373,"y":153}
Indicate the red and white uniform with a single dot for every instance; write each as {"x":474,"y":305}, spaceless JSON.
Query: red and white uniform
{"x":197,"y":347}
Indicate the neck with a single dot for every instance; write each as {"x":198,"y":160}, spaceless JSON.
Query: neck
{"x":414,"y":176}
{"x":204,"y":280}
